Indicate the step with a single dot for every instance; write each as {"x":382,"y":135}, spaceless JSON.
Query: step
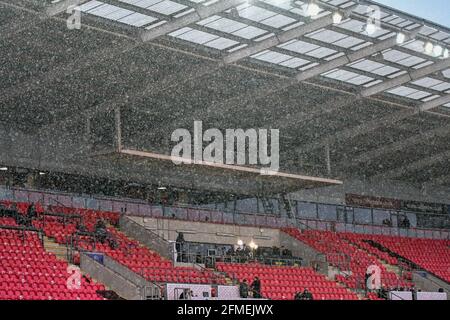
{"x":59,"y":250}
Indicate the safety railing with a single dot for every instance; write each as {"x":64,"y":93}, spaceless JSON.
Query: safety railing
{"x":140,"y":208}
{"x":160,"y":275}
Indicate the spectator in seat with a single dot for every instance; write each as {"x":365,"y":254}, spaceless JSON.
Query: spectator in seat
{"x":256,"y":288}
{"x":306,"y":295}
{"x":286,"y":252}
{"x":31,"y":211}
{"x":275,"y":251}
{"x":387,"y":222}
{"x":366,"y":281}
{"x":81,"y":228}
{"x":406,"y":222}
{"x":298,"y":296}
{"x":243,"y":289}
{"x":100,"y":231}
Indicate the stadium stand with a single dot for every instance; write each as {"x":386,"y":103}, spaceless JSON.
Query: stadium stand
{"x":127,"y":251}
{"x":343,"y":252}
{"x":28,"y":272}
{"x":282,"y":283}
{"x":349,"y":252}
{"x":432,"y":255}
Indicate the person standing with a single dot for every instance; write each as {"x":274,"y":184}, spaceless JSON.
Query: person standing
{"x":243,"y":289}
{"x":256,"y":288}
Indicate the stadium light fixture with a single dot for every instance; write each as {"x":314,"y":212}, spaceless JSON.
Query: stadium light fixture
{"x":438,"y":50}
{"x":337,"y":17}
{"x":428,"y":48}
{"x":162,"y":188}
{"x":401,"y":38}
{"x":371,"y":28}
{"x":41,"y":173}
{"x":445,"y":54}
{"x":312,"y":9}
{"x":253,"y":245}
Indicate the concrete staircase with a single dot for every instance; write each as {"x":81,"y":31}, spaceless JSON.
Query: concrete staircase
{"x":57,"y":249}
{"x":61,"y":253}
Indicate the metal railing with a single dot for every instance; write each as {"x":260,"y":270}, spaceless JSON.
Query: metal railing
{"x":141,"y":208}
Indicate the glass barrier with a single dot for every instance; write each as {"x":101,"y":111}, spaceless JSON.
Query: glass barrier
{"x":309,"y":215}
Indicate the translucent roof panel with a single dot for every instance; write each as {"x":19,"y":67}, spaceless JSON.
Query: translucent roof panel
{"x":297,"y":7}
{"x":402,"y":58}
{"x":348,"y":77}
{"x":408,"y":92}
{"x":232,"y":27}
{"x":359,"y":27}
{"x":280,"y":59}
{"x":374,"y":67}
{"x":264,"y":16}
{"x":107,"y":11}
{"x":166,"y":7}
{"x":335,"y":38}
{"x":433,"y":84}
{"x":307,"y":48}
{"x":203,"y":38}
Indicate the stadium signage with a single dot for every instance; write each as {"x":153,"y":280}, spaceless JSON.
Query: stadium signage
{"x":235,"y":147}
{"x":395,"y":204}
{"x":371,"y":201}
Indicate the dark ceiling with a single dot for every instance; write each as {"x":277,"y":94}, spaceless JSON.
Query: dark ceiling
{"x":53,"y":79}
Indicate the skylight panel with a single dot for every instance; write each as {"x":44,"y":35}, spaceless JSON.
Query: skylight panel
{"x":444,"y":86}
{"x":321,"y":52}
{"x":366,"y":65}
{"x":249,"y":32}
{"x":223,"y":24}
{"x":278,"y":21}
{"x":348,"y":42}
{"x":256,"y":13}
{"x":137,"y":19}
{"x":272,"y":57}
{"x":359,"y":80}
{"x":167,"y":7}
{"x":221,"y":43}
{"x":328,"y":36}
{"x":427,"y":82}
{"x":89,"y":5}
{"x":195,"y":36}
{"x":419,"y":95}
{"x":410,"y":93}
{"x":299,"y":46}
{"x":402,"y":91}
{"x":294,"y":63}
{"x":347,"y":76}
{"x":115,"y":13}
{"x":402,"y":58}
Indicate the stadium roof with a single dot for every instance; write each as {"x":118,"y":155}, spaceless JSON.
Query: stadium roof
{"x":351,"y":98}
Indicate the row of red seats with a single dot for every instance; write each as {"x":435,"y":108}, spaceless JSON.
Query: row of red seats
{"x":320,"y":287}
{"x":28,"y":272}
{"x":430,"y":254}
{"x":129,"y":252}
{"x":347,"y":253}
